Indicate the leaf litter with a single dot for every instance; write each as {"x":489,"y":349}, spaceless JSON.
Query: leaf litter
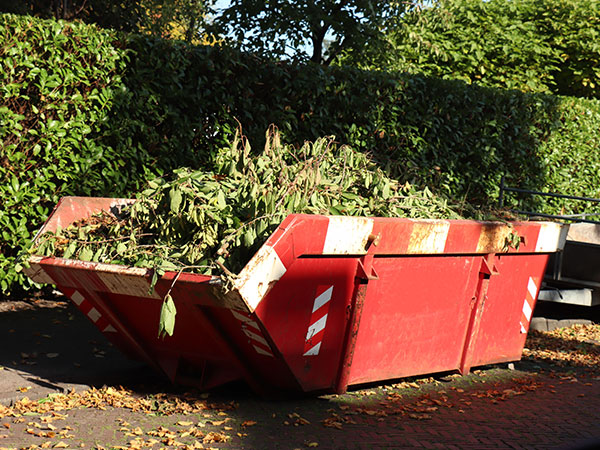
{"x":577,"y":346}
{"x":406,"y":400}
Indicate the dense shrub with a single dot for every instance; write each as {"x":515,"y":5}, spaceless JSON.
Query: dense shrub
{"x":56,"y":85}
{"x":89,"y":112}
{"x":532,"y":45}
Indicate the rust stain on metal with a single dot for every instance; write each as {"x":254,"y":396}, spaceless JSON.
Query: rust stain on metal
{"x":493,"y":237}
{"x":126,"y":284}
{"x":428,"y":237}
{"x":229,"y":300}
{"x":256,"y":279}
{"x":38,"y":274}
{"x":347,"y":235}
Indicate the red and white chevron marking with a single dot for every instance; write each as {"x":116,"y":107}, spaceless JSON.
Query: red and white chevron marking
{"x":318,"y":321}
{"x":93,"y":314}
{"x":528,"y":304}
{"x":252,"y":331}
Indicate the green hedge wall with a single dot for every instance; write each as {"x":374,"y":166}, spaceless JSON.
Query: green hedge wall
{"x":86,"y":111}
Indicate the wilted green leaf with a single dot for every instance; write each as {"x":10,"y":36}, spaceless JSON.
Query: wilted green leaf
{"x":167,"y":317}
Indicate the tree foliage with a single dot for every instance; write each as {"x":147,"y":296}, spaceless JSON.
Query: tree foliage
{"x":531,"y":45}
{"x":304,"y":29}
{"x":87,"y":111}
{"x":175,"y":19}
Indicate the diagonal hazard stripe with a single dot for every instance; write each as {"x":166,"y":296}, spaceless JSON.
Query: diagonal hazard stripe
{"x":528,"y":303}
{"x":322,"y":299}
{"x":318,"y":321}
{"x":252,"y":331}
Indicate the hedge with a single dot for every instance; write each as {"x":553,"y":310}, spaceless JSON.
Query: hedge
{"x":533,"y":45}
{"x":86,"y":111}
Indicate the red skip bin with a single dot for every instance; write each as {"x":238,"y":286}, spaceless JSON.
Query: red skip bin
{"x":327,"y":302}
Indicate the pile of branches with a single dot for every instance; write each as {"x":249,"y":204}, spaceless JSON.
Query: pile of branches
{"x":213,"y":222}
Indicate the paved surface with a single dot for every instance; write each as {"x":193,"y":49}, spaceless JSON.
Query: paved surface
{"x":50,"y":347}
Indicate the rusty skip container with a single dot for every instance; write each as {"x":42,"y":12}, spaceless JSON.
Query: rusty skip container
{"x":327,"y":302}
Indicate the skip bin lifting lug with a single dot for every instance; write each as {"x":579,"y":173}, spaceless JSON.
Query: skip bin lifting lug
{"x":365,"y":272}
{"x":486,"y":270}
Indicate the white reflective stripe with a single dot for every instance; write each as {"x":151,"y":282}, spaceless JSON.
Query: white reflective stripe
{"x":316,"y":327}
{"x":532,"y":288}
{"x":245,"y":319}
{"x":255,"y":280}
{"x":77,"y":298}
{"x":94,"y":314}
{"x":313,"y":351}
{"x":347,"y":235}
{"x":322,"y":299}
{"x":428,"y":237}
{"x":255,"y":337}
{"x":550,"y":237}
{"x":527,"y":311}
{"x":109,"y":329}
{"x":523,"y":330}
{"x":262,"y":351}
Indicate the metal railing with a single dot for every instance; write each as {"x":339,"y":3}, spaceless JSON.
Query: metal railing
{"x":566,"y":217}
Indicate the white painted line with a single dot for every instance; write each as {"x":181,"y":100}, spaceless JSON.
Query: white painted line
{"x":428,"y":237}
{"x":551,"y":237}
{"x":316,"y":327}
{"x":255,"y":280}
{"x":527,"y":310}
{"x":261,"y":351}
{"x":124,"y":284}
{"x":37,"y":273}
{"x":322,"y":299}
{"x":255,"y":337}
{"x":347,"y":235}
{"x":245,"y":319}
{"x":77,"y":298}
{"x":94,"y":314}
{"x":313,"y":351}
{"x":532,"y":288}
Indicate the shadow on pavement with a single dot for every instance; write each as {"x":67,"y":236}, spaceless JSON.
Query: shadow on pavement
{"x":49,"y":346}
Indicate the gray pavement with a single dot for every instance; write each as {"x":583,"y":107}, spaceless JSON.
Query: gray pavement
{"x":49,"y":347}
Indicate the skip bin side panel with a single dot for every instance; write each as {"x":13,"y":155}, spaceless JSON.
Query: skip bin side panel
{"x":128,"y":315}
{"x":305,"y":316}
{"x":71,"y":209}
{"x":508,"y":308}
{"x":414,"y":317}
